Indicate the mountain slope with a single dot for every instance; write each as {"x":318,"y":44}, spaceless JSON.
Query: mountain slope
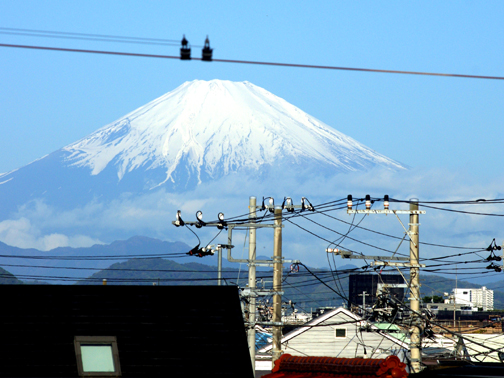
{"x":215,"y":128}
{"x":300,"y":287}
{"x":200,"y":132}
{"x":67,"y":265}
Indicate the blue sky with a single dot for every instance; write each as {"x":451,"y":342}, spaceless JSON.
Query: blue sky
{"x":50,"y":99}
{"x":448,"y":130}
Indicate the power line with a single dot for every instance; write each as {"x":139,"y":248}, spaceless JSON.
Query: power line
{"x":51,"y":33}
{"x":256,"y":62}
{"x":96,"y":258}
{"x":175,"y":43}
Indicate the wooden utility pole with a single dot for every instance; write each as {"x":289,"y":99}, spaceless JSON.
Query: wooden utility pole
{"x":416,"y":341}
{"x":252,"y":281}
{"x":277,"y":286}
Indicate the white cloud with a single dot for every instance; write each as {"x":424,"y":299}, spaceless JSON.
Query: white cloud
{"x":41,"y":226}
{"x":23,"y":234}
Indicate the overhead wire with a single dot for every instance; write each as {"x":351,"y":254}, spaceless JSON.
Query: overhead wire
{"x":94,"y":257}
{"x":52,"y":33}
{"x":96,"y":38}
{"x":277,"y":64}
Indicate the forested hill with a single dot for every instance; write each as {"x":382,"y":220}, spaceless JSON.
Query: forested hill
{"x":303,"y":287}
{"x":7,"y":278}
{"x":307,"y":288}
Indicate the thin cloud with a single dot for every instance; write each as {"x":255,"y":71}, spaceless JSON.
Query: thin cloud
{"x":39,"y":225}
{"x":23,"y":234}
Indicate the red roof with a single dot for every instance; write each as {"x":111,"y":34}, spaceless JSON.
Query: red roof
{"x":288,"y":366}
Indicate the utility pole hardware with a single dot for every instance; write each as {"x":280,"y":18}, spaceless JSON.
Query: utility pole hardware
{"x":416,"y":341}
{"x":252,"y":281}
{"x":277,"y":286}
{"x":414,"y":265}
{"x":251,"y":291}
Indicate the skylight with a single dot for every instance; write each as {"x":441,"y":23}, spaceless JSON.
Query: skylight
{"x":97,"y":356}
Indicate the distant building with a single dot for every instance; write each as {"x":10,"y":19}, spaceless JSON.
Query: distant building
{"x":476,"y":298}
{"x":460,"y":308}
{"x":367,"y":285}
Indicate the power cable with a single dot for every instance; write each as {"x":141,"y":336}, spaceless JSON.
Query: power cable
{"x":98,"y":39}
{"x":254,"y":62}
{"x":49,"y":33}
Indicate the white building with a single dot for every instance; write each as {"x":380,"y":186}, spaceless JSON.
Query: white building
{"x":475,"y":298}
{"x":339,"y":333}
{"x":484,"y":347}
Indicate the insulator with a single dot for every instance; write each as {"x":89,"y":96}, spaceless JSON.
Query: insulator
{"x":199,"y":218}
{"x":271,"y":205}
{"x":306,"y":205}
{"x":368,"y":202}
{"x":206,"y":53}
{"x":221,"y":224}
{"x":193,"y":251}
{"x":262,"y":205}
{"x":179,"y":221}
{"x":288,"y":205}
{"x":386,"y":202}
{"x":185,"y":51}
{"x":349,"y":202}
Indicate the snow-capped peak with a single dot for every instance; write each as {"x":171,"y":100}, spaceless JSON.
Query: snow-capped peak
{"x":217,"y":127}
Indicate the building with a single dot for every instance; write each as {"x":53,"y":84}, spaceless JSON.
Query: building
{"x":288,"y":366}
{"x":362,"y":288}
{"x":476,"y":298}
{"x":459,"y":308}
{"x":339,"y":333}
{"x":484,"y":347}
{"x":122,"y":331}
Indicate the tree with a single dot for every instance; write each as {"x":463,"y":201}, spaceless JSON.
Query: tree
{"x":434,"y":299}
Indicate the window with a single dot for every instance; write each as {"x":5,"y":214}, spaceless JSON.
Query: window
{"x":97,"y":356}
{"x":340,"y":332}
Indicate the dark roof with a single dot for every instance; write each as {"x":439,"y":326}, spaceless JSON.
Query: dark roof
{"x":161,"y":331}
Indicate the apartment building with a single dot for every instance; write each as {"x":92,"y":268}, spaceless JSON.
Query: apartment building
{"x":476,"y":298}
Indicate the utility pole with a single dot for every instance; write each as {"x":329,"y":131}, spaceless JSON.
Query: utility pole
{"x":364,"y":295}
{"x":252,"y":292}
{"x":416,"y":341}
{"x":252,"y":281}
{"x":455,"y":298}
{"x":414,"y":265}
{"x":277,"y":286}
{"x":219,"y":266}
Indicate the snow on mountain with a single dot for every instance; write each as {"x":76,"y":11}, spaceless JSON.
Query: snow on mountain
{"x":200,"y":132}
{"x":214,"y":128}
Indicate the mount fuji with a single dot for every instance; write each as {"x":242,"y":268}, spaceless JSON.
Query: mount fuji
{"x":209,"y":129}
{"x":200,"y":132}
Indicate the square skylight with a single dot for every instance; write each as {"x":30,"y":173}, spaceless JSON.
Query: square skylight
{"x":97,"y":356}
